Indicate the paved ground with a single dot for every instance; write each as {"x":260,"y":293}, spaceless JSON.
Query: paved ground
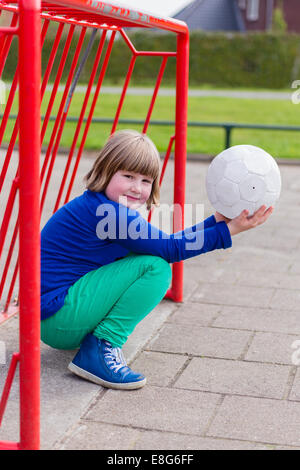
{"x":263,"y":95}
{"x":148,"y":91}
{"x":219,"y":366}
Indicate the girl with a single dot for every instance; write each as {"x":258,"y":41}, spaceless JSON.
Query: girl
{"x":104,"y":268}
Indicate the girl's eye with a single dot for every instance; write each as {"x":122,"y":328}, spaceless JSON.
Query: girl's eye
{"x":128,"y":176}
{"x":147,"y":181}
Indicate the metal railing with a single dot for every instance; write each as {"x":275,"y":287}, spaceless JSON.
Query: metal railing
{"x":227,"y":126}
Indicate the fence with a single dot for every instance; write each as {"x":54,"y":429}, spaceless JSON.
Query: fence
{"x":227,"y":126}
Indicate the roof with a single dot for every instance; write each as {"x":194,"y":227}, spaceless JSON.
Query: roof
{"x":212,"y":15}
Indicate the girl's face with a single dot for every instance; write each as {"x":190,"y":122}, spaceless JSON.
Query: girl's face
{"x":128,"y":188}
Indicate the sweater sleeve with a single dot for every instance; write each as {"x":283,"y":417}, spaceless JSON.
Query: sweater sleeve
{"x":130,"y":230}
{"x":209,"y":222}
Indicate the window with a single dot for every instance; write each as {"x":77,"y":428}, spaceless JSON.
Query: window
{"x":252,"y":10}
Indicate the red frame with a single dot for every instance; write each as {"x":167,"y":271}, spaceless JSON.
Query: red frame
{"x":28,"y":177}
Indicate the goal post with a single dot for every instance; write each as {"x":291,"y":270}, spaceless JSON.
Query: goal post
{"x":31,"y":141}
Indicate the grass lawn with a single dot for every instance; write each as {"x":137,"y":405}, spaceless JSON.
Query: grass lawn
{"x":283,"y":144}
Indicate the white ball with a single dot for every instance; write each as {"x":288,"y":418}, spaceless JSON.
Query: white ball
{"x":242,"y":177}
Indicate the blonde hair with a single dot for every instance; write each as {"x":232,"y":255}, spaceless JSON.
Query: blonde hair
{"x":126,"y":150}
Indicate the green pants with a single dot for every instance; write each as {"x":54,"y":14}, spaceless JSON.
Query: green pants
{"x":109,"y":302}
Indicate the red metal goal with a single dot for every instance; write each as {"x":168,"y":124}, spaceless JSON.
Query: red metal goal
{"x":28,"y":173}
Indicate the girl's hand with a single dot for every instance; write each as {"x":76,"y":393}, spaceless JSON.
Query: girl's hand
{"x":243,"y":222}
{"x":221,"y":218}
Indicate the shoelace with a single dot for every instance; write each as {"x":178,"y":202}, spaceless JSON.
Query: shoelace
{"x":119,"y":354}
{"x":115,"y":357}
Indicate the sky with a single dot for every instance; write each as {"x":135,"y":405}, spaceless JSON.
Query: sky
{"x":160,"y":7}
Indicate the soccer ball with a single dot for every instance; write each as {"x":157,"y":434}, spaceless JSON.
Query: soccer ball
{"x":242,"y":177}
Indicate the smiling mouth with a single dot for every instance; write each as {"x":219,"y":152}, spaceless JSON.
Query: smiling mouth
{"x":133,"y":198}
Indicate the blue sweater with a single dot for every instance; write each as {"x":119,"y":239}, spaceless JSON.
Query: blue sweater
{"x":91,"y":231}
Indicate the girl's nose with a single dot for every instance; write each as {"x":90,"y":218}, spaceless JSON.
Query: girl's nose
{"x":136,"y":186}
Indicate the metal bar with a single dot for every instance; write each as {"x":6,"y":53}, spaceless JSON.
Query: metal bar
{"x":168,"y":153}
{"x":80,"y":67}
{"x":9,"y":30}
{"x":56,"y":16}
{"x":217,"y":125}
{"x":51,"y":58}
{"x":128,"y":42}
{"x":92,"y":108}
{"x":8,"y":259}
{"x":11,"y":287}
{"x":81,"y":120}
{"x":9,"y":152}
{"x":156,"y":53}
{"x":182,"y":79}
{"x":86,"y":98}
{"x":145,"y":53}
{"x":16,"y":126}
{"x":166,"y":159}
{"x":84,"y":23}
{"x":128,"y":15}
{"x":62,"y":115}
{"x":122,"y":98}
{"x":8,"y":382}
{"x":4,"y":316}
{"x":9,"y":104}
{"x":29,"y":233}
{"x":7,"y":445}
{"x":16,"y":183}
{"x":51,"y":101}
{"x":8,"y":211}
{"x":228,"y":130}
{"x":154,"y":96}
{"x":6,"y":47}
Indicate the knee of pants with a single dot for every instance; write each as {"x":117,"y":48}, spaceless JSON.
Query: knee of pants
{"x":161,"y":268}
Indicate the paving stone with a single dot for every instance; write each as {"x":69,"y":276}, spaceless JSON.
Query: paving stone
{"x":295,"y":267}
{"x":149,"y":408}
{"x":286,"y":299}
{"x":258,"y":319}
{"x":250,"y":257}
{"x":159,"y":368}
{"x":273,"y":279}
{"x":234,"y":377}
{"x":168,"y":441}
{"x":275,"y":422}
{"x":99,"y":436}
{"x":235,"y":295}
{"x":195,"y":313}
{"x":271,"y":347}
{"x":214,"y":272}
{"x":270,"y":239}
{"x":201,"y":341}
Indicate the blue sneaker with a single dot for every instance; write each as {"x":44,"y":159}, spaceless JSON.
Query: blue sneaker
{"x":102,"y":364}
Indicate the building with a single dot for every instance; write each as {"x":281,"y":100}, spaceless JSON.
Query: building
{"x":238,"y":15}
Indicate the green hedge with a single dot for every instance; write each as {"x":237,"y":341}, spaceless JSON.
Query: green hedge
{"x":262,"y":60}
